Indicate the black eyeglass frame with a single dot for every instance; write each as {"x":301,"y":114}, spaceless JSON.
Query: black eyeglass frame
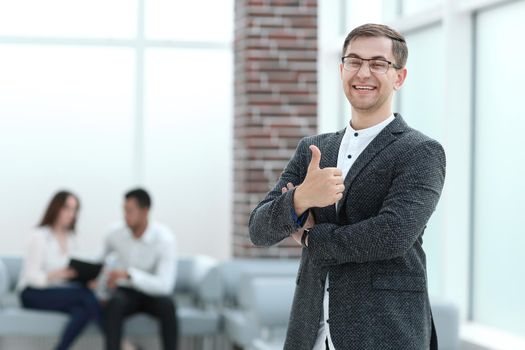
{"x":371,"y":59}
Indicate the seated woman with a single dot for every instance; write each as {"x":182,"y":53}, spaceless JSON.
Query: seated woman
{"x":44,"y":279}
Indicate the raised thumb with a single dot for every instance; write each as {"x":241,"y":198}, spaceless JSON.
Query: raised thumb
{"x":316,"y":158}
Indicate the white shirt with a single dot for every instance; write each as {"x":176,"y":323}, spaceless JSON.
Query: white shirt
{"x":44,"y":255}
{"x":149,"y":260}
{"x":352,"y":145}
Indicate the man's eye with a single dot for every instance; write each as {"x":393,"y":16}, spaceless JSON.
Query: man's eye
{"x":378,"y":64}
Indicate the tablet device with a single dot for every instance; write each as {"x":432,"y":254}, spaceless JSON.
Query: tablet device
{"x":86,"y":271}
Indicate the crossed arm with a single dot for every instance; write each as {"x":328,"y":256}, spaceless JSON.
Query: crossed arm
{"x":411,"y":200}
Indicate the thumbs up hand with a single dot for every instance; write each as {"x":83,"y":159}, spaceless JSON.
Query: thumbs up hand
{"x":320,"y":188}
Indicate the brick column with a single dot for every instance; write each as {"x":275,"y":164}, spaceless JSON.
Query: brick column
{"x":275,"y":103}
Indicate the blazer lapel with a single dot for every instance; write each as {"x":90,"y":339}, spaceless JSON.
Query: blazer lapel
{"x":388,"y":135}
{"x":330,"y":153}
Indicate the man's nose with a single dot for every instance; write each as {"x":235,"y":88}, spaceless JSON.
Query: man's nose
{"x":364,"y":70}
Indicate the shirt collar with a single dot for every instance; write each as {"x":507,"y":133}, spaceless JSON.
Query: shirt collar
{"x":373,"y":130}
{"x":147,"y":237}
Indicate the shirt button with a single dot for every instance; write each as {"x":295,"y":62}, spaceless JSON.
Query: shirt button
{"x":327,"y":320}
{"x":356,"y":134}
{"x":349,"y":156}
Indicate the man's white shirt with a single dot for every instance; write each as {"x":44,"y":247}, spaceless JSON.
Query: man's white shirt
{"x":150,"y":260}
{"x":352,"y":145}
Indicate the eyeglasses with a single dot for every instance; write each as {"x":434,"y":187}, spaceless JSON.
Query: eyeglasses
{"x":376,"y":65}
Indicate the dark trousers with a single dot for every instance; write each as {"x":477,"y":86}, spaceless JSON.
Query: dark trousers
{"x":126,"y":302}
{"x":77,"y":301}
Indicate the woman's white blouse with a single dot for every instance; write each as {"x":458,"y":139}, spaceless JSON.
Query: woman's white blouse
{"x":44,"y":255}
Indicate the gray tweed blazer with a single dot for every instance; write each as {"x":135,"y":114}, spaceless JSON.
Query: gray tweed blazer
{"x":372,"y":246}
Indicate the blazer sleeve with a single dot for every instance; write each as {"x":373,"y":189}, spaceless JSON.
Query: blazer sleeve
{"x":272,"y":220}
{"x":410,"y":202}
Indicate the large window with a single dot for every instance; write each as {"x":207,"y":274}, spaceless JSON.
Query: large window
{"x":23,"y":19}
{"x":188,"y":141}
{"x":65,"y":122}
{"x":100,"y":96}
{"x":499,"y":279}
{"x":202,"y":20}
{"x":412,"y":7}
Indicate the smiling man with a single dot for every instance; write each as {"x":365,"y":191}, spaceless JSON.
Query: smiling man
{"x":358,"y":201}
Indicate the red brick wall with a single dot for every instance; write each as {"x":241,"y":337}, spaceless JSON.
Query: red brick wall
{"x":275,"y":103}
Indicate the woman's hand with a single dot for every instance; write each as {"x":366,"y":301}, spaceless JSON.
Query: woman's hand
{"x":66,"y":273}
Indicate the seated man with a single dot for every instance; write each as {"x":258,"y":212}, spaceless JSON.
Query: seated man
{"x":143,"y":276}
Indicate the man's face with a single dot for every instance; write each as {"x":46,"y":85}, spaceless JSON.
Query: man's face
{"x":134,"y":214}
{"x":371,"y":93}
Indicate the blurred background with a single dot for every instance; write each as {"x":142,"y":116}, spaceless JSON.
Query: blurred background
{"x":203,"y":103}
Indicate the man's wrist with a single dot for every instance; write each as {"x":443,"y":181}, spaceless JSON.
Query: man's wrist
{"x":299,"y":204}
{"x":300,"y":220}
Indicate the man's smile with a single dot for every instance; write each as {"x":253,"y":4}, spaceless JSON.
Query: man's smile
{"x":364,"y":87}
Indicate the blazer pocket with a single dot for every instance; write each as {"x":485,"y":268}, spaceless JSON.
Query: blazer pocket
{"x":399,"y":283}
{"x":381,"y":171}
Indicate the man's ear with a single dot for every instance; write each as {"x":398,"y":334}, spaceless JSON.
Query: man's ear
{"x":341,"y":71}
{"x":401,"y":75}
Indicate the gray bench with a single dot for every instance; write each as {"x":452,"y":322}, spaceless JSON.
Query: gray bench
{"x":247,"y":300}
{"x":194,"y":317}
{"x":239,"y":328}
{"x":267,"y":301}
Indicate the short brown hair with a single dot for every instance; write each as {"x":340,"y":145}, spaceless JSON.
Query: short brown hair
{"x":53,"y":209}
{"x":399,"y":45}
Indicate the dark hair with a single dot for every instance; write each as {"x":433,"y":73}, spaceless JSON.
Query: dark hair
{"x":142,"y":197}
{"x":55,"y":205}
{"x":399,"y":45}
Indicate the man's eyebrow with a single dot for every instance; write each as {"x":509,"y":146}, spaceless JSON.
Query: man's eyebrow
{"x":379,"y":58}
{"x":371,"y":58}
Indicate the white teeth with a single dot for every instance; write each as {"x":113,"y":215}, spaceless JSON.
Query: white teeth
{"x":363,"y":87}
